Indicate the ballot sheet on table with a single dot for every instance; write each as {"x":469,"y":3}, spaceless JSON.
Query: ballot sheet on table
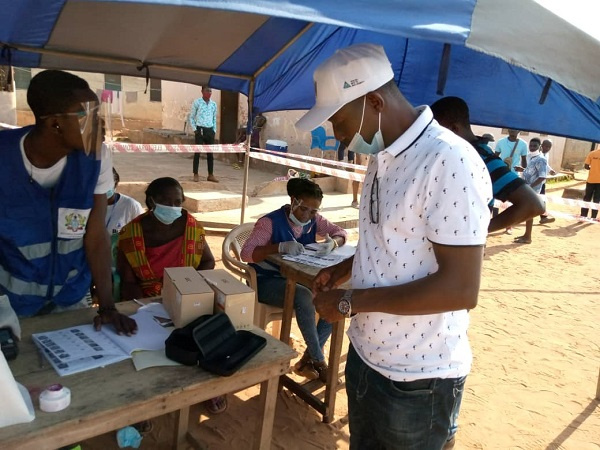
{"x":76,"y":349}
{"x":310,"y":257}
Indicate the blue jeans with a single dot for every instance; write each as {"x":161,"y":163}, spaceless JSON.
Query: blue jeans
{"x":386,"y":414}
{"x":271,"y":290}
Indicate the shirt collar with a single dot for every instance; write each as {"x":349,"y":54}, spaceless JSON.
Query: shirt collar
{"x":413,"y":133}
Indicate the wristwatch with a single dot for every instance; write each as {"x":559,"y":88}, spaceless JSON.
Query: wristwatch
{"x":345,"y":303}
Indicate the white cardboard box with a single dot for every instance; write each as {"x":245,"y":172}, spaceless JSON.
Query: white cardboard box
{"x":232,"y":297}
{"x":186,"y":296}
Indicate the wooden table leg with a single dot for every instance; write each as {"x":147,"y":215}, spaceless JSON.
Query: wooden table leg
{"x":335,"y":351}
{"x":288,"y":309}
{"x":182,"y":427}
{"x":268,"y":401}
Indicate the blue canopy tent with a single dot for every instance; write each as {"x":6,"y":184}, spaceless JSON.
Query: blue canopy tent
{"x":518,"y":63}
{"x":499,"y":56}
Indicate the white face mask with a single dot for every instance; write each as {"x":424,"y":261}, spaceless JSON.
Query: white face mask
{"x":358,"y":144}
{"x":293,"y":218}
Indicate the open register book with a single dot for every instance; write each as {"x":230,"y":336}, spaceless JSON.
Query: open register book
{"x":80,"y":348}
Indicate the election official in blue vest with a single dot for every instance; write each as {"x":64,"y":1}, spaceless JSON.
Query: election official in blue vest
{"x":53,"y":182}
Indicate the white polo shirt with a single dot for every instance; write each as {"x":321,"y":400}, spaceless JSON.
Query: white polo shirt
{"x":433,"y":187}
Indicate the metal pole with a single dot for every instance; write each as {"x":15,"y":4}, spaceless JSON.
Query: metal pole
{"x":251,"y":103}
{"x":248,"y":142}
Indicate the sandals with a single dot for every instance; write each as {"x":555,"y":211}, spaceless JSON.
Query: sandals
{"x":217,"y":405}
{"x":522,"y":240}
{"x":310,"y":369}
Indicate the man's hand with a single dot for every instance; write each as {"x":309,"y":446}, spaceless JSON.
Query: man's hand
{"x":552,"y":172}
{"x":326,"y":304}
{"x":123,"y":324}
{"x":291,"y":248}
{"x":331,"y":277}
{"x":519,"y":169}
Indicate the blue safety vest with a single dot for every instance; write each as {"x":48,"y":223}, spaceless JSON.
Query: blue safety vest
{"x":42,"y":256}
{"x":282,"y":232}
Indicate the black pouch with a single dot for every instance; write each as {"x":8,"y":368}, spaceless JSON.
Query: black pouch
{"x":212,"y":343}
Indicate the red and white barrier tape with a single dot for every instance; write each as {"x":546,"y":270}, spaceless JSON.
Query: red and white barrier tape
{"x":576,"y":217}
{"x":556,"y":200}
{"x":354,"y":176}
{"x":331,"y":162}
{"x":571,"y":202}
{"x":126,"y":147}
{"x":291,"y":159}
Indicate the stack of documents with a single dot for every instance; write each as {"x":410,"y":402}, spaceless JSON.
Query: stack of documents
{"x":80,"y":348}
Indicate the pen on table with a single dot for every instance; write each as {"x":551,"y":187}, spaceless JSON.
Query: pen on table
{"x":292,"y":235}
{"x":135,"y":300}
{"x":41,"y":357}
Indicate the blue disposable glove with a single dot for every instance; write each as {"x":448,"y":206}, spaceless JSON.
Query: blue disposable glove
{"x":325,"y":248}
{"x":291,"y":248}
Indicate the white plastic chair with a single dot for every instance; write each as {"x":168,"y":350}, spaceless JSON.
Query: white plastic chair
{"x":232,"y":248}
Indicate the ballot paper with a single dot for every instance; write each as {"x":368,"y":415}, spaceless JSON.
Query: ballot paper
{"x":310,"y":258}
{"x":80,"y":348}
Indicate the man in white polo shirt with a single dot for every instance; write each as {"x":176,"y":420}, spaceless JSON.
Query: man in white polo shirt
{"x":416,"y":273}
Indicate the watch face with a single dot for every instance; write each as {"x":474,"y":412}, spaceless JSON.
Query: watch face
{"x":344,"y":307}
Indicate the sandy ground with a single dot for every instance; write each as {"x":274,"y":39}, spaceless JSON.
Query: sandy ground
{"x":535,"y":342}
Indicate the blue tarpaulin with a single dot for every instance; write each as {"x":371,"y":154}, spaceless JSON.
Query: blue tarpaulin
{"x":517,"y":63}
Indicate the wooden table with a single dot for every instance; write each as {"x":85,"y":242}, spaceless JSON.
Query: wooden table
{"x":109,"y":398}
{"x":301,"y":273}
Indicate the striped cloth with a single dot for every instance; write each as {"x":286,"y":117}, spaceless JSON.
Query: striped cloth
{"x":131,"y":243}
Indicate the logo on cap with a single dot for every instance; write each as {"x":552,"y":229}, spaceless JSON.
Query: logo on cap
{"x":352,"y":83}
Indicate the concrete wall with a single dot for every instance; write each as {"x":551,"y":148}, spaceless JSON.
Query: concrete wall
{"x":137,"y":109}
{"x":177,"y":99}
{"x":8,"y":108}
{"x":575,"y":153}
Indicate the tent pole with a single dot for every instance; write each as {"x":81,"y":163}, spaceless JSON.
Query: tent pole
{"x":248,"y":142}
{"x":250,"y":114}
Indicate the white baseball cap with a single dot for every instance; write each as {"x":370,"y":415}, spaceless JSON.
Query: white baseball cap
{"x":347,"y":75}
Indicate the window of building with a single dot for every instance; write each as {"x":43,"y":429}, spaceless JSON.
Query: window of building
{"x":112,"y":82}
{"x":22,"y":77}
{"x":155,"y":90}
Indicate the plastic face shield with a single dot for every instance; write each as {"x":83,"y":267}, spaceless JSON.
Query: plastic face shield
{"x":90,"y":126}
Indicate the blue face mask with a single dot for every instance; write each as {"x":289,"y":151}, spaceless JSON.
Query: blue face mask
{"x":358,"y":144}
{"x":110,"y":193}
{"x":167,"y":214}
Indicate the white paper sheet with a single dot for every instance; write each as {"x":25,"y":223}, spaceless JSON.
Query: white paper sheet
{"x":80,"y":348}
{"x":310,"y":257}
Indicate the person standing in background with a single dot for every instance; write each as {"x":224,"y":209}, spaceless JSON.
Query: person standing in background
{"x":203,"y":120}
{"x":513,"y":148}
{"x":534,"y":175}
{"x":546,"y":147}
{"x":513,"y":151}
{"x":592,"y":187}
